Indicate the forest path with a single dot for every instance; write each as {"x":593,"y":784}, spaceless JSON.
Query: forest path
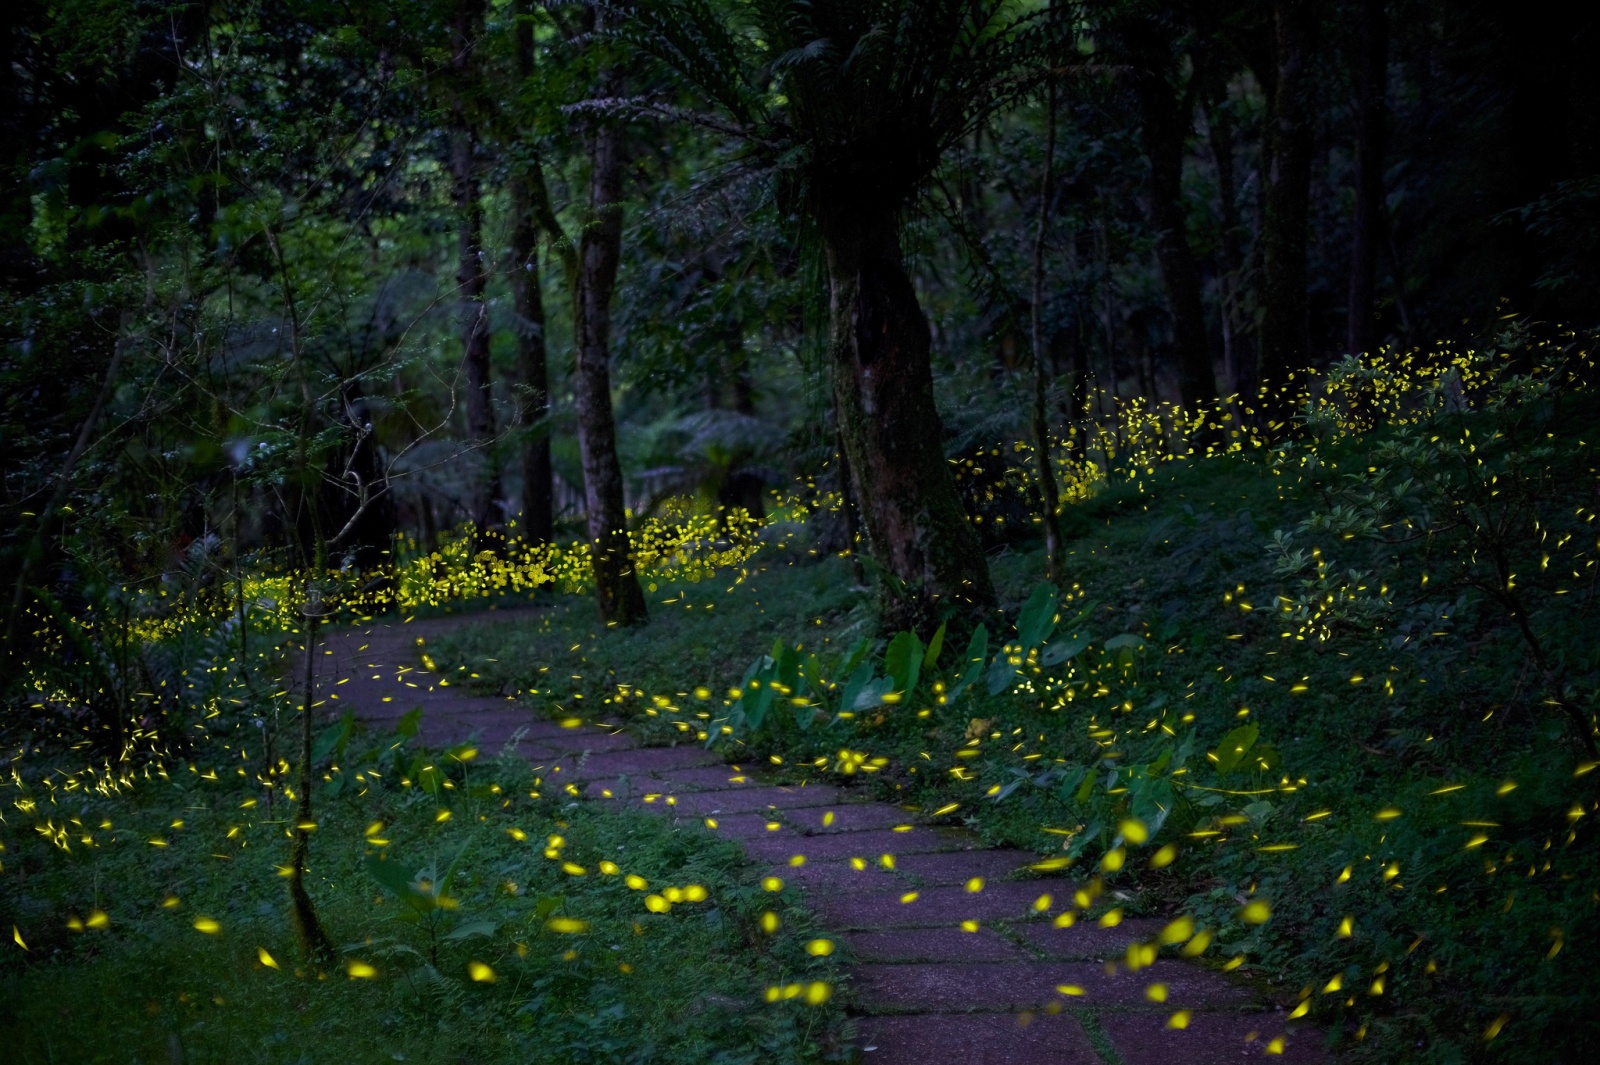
{"x":925,"y":989}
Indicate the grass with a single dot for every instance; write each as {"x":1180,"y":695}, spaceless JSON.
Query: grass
{"x":1417,"y":819}
{"x":151,"y":985}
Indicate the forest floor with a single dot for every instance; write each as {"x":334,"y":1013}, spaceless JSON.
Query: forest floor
{"x":959,"y":951}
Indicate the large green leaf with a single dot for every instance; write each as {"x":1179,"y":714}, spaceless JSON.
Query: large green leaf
{"x":1234,"y":746}
{"x":1038,"y":617}
{"x":1059,"y":651}
{"x":903,"y":660}
{"x":786,"y":668}
{"x":935,"y":645}
{"x":1001,"y":674}
{"x":872,"y":694}
{"x":468,"y":929}
{"x":856,"y":682}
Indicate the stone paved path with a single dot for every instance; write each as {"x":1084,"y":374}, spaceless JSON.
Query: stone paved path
{"x":926,"y":989}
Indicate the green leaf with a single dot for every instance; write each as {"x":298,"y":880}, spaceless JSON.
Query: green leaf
{"x":334,"y":738}
{"x":1128,"y":641}
{"x":852,"y":687}
{"x":468,"y":929}
{"x":756,"y":703}
{"x":1231,"y":751}
{"x":812,"y":676}
{"x":858,"y":652}
{"x":409,"y":722}
{"x":429,"y":777}
{"x":1057,"y":652}
{"x":399,"y":882}
{"x":786,"y":665}
{"x":872,"y":694}
{"x":755,"y":693}
{"x":903,"y":660}
{"x":1038,"y":617}
{"x":1002,"y":674}
{"x":935,"y":645}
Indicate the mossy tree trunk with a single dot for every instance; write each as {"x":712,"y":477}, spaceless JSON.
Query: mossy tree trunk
{"x":916,"y":531}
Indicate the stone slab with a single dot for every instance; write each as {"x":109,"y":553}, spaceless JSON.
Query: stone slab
{"x":711,"y":778}
{"x":852,"y":817}
{"x":742,"y":826}
{"x":943,"y":986}
{"x":576,"y":741}
{"x":1211,"y":1039}
{"x":868,"y":845}
{"x":640,"y":762}
{"x":941,"y":906}
{"x":834,"y":878}
{"x":974,"y":1039}
{"x":959,"y":867}
{"x":1087,"y":939}
{"x":754,"y":800}
{"x":933,"y":944}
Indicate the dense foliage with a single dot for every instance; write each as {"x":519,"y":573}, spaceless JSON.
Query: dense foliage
{"x":1148,"y":424}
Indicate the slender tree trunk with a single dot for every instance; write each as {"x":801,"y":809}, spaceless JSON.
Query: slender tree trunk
{"x":1164,"y":127}
{"x":1049,"y":491}
{"x":471,"y":271}
{"x":1285,"y":324}
{"x":1371,"y":65}
{"x":314,"y":942}
{"x":852,"y":513}
{"x":616,"y":585}
{"x":1235,"y":341}
{"x":879,"y":341}
{"x":527,"y":299}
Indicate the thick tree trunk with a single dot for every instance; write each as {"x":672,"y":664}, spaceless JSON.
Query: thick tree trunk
{"x":471,"y":272}
{"x":1284,"y":325}
{"x":1164,"y":127}
{"x":527,"y":302}
{"x":916,"y":530}
{"x":616,"y":585}
{"x":1371,"y":66}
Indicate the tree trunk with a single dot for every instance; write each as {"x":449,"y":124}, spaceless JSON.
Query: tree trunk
{"x":1285,"y":323}
{"x":1371,"y":65}
{"x":1164,"y":126}
{"x":916,"y":530}
{"x":471,"y":274}
{"x":616,"y":585}
{"x":527,"y":301}
{"x":1049,"y":491}
{"x":1237,"y":364}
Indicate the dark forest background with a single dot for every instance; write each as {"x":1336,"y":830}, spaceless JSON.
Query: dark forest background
{"x":285,"y":280}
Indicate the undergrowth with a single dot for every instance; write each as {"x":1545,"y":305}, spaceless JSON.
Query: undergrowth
{"x":153,"y":928}
{"x":1338,"y":678}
